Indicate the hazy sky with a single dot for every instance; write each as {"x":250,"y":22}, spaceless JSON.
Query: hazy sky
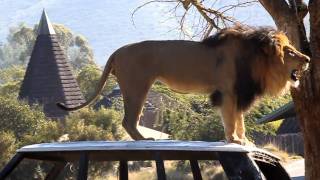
{"x":107,"y":24}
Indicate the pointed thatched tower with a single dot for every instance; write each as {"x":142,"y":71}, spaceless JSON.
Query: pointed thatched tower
{"x":49,"y":78}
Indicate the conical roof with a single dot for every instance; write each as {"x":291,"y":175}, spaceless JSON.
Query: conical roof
{"x":49,"y":77}
{"x":45,"y":26}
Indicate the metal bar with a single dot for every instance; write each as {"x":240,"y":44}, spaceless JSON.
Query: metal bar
{"x":240,"y":166}
{"x":161,"y":173}
{"x":11,"y":165}
{"x":83,"y":167}
{"x":56,"y":170}
{"x":195,"y":170}
{"x":123,"y":170}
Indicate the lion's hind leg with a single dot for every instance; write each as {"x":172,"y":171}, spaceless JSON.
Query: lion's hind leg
{"x":133,"y":99}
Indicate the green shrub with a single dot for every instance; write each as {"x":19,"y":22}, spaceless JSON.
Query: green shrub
{"x":185,"y":124}
{"x":7,"y":147}
{"x":19,"y":118}
{"x":89,"y":77}
{"x":87,"y":124}
{"x":195,"y":119}
{"x":265,"y":106}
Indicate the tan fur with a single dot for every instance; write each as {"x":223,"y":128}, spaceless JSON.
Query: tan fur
{"x":193,"y":67}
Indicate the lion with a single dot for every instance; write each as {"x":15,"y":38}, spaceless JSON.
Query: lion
{"x":235,"y":66}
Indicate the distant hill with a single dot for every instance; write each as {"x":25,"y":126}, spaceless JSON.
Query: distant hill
{"x":107,"y":23}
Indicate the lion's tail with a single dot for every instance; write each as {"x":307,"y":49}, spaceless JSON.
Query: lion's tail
{"x":98,"y":90}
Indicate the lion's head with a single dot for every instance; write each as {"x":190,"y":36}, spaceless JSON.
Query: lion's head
{"x":294,"y":61}
{"x":277,"y":62}
{"x":265,"y":61}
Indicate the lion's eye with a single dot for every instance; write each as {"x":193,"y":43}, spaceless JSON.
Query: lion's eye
{"x":291,"y":53}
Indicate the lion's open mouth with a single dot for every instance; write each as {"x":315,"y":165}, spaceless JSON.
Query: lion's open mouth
{"x":295,"y":75}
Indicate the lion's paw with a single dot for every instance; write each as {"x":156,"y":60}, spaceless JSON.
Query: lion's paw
{"x":246,"y":142}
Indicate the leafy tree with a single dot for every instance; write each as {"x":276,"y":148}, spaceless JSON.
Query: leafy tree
{"x":192,"y":117}
{"x":88,"y":79}
{"x":265,"y":106}
{"x":10,"y":80}
{"x":20,"y":42}
{"x":19,"y":118}
{"x":21,"y":125}
{"x":7,"y":146}
{"x":184,"y":124}
{"x":19,"y":45}
{"x":12,"y":73}
{"x":87,"y":124}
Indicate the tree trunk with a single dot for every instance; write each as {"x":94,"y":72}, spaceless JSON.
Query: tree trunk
{"x":284,"y":18}
{"x":307,"y":97}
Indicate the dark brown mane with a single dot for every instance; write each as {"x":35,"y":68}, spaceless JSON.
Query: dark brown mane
{"x":259,"y":44}
{"x":259,"y":36}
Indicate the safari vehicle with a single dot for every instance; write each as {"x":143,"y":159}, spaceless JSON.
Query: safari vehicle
{"x":238,"y":162}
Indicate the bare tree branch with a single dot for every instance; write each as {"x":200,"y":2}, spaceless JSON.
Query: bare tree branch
{"x":209,"y":18}
{"x":148,"y":3}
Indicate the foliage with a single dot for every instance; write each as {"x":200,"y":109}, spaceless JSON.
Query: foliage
{"x":265,"y":106}
{"x":185,"y":124}
{"x":7,"y":146}
{"x":19,"y":45}
{"x":183,"y":98}
{"x":193,"y":118}
{"x":87,"y":124}
{"x":90,"y":125}
{"x":21,"y":125}
{"x":10,"y":80}
{"x":21,"y":39}
{"x":89,"y":77}
{"x":11,"y":74}
{"x":19,"y":118}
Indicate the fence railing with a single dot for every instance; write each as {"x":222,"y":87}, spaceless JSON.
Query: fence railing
{"x":291,"y":143}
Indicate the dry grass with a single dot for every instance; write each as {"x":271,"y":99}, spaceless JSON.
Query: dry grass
{"x":211,"y":170}
{"x":144,"y":174}
{"x":284,"y":156}
{"x":172,"y":173}
{"x":214,"y":173}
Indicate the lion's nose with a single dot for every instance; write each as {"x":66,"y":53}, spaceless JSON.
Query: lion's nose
{"x":307,"y":59}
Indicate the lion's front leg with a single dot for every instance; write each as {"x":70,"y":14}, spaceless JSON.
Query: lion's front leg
{"x":229,"y":117}
{"x":240,"y":130}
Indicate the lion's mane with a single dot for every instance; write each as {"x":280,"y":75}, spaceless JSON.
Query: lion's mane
{"x":257,"y":67}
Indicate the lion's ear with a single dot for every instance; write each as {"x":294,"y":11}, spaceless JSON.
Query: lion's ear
{"x":274,"y":49}
{"x":269,"y":49}
{"x":279,"y":52}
